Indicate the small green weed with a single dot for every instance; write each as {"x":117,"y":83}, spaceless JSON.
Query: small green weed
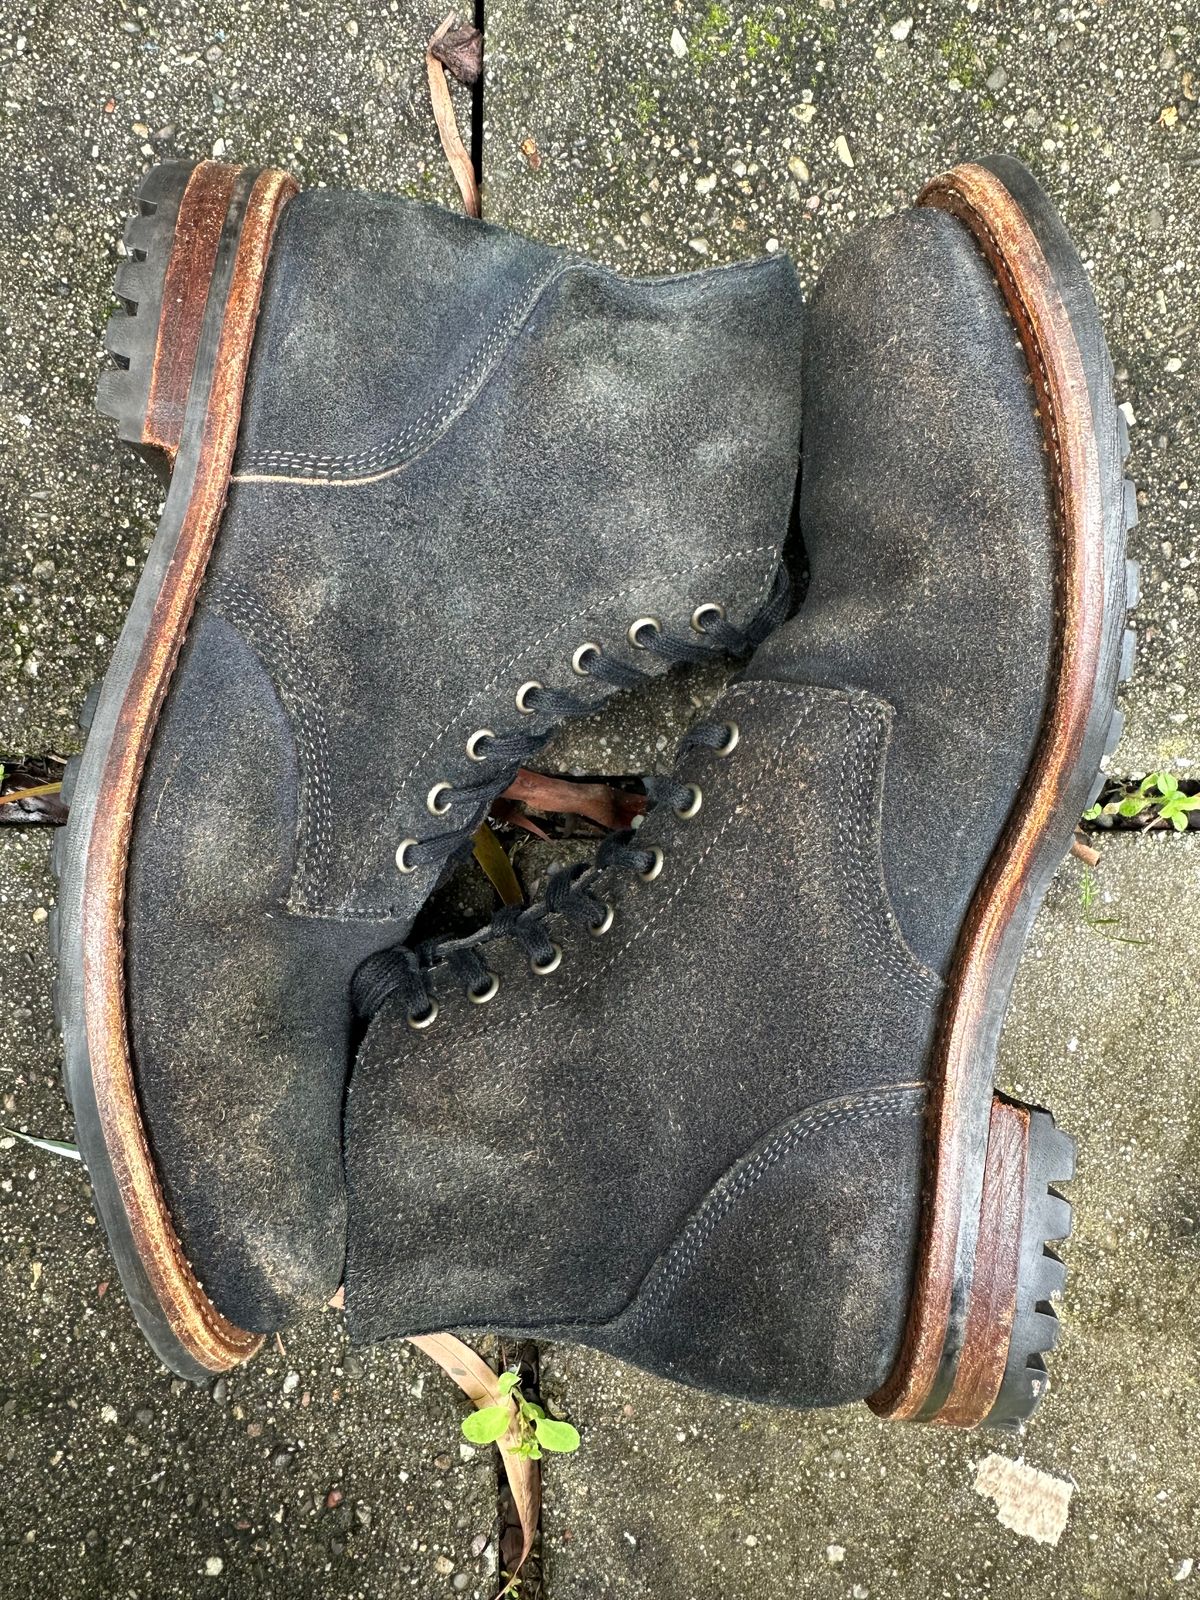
{"x":1158,"y":796}
{"x":537,"y":1432}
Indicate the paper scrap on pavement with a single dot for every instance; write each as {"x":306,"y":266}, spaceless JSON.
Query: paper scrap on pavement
{"x":1032,"y":1503}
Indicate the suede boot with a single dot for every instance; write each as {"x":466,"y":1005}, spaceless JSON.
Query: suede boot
{"x":724,"y":1104}
{"x":433,"y":489}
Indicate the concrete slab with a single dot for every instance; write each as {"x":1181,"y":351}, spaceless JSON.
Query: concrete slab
{"x":661,"y":134}
{"x":674,"y":1494}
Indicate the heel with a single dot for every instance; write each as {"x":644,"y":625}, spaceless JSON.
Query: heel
{"x":1041,"y":1274}
{"x":1011,"y":1323}
{"x":171,"y":244}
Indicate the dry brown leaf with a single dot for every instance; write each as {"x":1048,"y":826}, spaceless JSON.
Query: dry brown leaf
{"x":493,"y":858}
{"x":478,"y":1382}
{"x":601,"y":803}
{"x":447,"y":123}
{"x":460,"y":50}
{"x":507,"y":811}
{"x":1084,"y":852}
{"x":33,"y":793}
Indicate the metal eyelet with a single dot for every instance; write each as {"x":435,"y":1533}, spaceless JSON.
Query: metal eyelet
{"x":426,"y":1020}
{"x":545,"y":968}
{"x":689,"y":810}
{"x":710,"y":608}
{"x":602,"y":927}
{"x":402,"y":860}
{"x":732,"y":735}
{"x":655,"y":867}
{"x":480,"y":997}
{"x":523,"y":694}
{"x":474,"y":753}
{"x":583,"y":655}
{"x":636,"y":627}
{"x":433,"y":800}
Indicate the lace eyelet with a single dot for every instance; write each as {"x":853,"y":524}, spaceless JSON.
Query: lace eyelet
{"x":402,"y":860}
{"x":583,"y":655}
{"x":732,"y":735}
{"x":710,"y":608}
{"x":522,"y":696}
{"x":689,"y":810}
{"x":602,"y":927}
{"x":480,"y":997}
{"x":543,"y":969}
{"x":474,"y":753}
{"x":636,"y":627}
{"x":433,"y":800}
{"x":426,"y":1019}
{"x":655,"y":867}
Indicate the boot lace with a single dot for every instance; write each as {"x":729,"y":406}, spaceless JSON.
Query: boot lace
{"x":499,"y":755}
{"x":413,"y":973}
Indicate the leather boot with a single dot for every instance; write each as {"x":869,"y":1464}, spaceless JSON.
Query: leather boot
{"x":433,"y":488}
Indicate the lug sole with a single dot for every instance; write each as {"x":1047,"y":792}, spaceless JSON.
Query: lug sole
{"x":981,"y":1318}
{"x":198,"y":248}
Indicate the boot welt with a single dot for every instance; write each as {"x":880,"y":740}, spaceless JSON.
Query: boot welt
{"x":197,"y":254}
{"x":981,"y":1316}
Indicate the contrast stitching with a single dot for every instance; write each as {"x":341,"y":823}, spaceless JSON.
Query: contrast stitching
{"x":388,"y":816}
{"x":682,"y":1255}
{"x":918,"y":981}
{"x":436,"y":417}
{"x":299,"y":695}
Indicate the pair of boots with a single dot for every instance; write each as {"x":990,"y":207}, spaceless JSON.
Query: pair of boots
{"x":721,"y":1102}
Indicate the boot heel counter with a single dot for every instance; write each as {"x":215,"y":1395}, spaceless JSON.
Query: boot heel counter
{"x":789,"y":1283}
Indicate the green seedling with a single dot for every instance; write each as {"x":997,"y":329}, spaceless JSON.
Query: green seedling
{"x":536,"y":1432}
{"x":1159,"y":795}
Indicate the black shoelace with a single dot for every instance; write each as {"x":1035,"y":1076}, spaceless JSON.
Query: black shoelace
{"x":499,"y":755}
{"x":411,"y":973}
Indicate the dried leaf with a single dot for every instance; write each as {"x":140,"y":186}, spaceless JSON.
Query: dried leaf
{"x":447,"y":123}
{"x":30,"y":794}
{"x":53,"y":1147}
{"x":602,"y":803}
{"x":482,"y":1387}
{"x":493,"y":858}
{"x":507,"y":811}
{"x":1084,"y":852}
{"x":460,"y":50}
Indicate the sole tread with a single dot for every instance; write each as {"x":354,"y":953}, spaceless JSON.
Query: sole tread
{"x":1041,"y":1275}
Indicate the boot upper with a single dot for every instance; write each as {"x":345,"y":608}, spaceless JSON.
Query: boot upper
{"x":462,"y":456}
{"x":928,"y":523}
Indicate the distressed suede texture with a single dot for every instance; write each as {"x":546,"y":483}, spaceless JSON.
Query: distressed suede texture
{"x":698,"y":1144}
{"x":534,"y":1164}
{"x":461,"y":455}
{"x":927,"y":517}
